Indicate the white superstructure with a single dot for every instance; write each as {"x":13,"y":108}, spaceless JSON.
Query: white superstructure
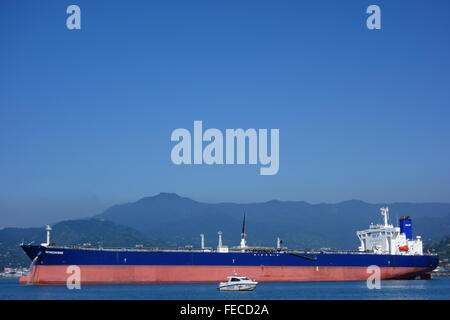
{"x":387,"y":239}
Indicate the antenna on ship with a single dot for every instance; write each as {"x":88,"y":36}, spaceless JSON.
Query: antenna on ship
{"x":243,"y":235}
{"x":219,"y":245}
{"x":385,"y":213}
{"x":202,"y":241}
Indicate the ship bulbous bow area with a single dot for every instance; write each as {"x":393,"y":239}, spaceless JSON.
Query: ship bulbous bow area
{"x":32,"y":251}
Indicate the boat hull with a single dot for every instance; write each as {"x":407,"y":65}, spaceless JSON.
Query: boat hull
{"x":56,"y":265}
{"x":237,"y":287}
{"x":59,"y":275}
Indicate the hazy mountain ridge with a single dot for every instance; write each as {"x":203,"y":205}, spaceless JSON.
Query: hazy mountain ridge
{"x":301,"y":224}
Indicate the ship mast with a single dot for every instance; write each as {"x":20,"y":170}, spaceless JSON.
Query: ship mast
{"x":219,"y":245}
{"x":48,"y":229}
{"x":385,"y":213}
{"x":243,"y":235}
{"x":202,"y":241}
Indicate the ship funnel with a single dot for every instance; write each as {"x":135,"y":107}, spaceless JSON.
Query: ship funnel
{"x":406,"y":227}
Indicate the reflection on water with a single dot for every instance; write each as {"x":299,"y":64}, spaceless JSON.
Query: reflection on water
{"x":437,"y":288}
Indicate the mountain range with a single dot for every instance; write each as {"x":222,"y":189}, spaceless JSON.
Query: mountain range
{"x":180,"y":220}
{"x":168,"y":219}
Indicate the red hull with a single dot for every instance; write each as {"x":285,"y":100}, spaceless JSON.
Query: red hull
{"x":54,"y":275}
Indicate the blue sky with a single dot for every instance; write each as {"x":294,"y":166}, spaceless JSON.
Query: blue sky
{"x":86,"y":116}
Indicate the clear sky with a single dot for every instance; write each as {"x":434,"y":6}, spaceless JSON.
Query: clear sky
{"x":86,"y":115}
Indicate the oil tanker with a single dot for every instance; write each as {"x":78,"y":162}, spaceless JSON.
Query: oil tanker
{"x":390,"y":248}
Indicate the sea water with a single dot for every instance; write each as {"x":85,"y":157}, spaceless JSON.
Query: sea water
{"x":436,"y":289}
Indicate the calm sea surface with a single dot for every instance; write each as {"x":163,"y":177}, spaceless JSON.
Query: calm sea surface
{"x":437,"y":288}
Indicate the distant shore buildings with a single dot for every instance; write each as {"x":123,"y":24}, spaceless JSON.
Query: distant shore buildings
{"x":13,"y":272}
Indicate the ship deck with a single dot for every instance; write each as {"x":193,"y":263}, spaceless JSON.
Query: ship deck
{"x":230,"y":250}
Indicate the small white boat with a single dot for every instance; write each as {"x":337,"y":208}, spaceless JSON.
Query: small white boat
{"x":237,"y":283}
